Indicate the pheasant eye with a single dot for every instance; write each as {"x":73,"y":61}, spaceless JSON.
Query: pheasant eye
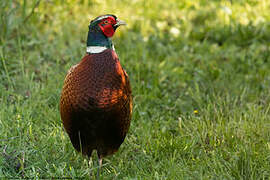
{"x":106,"y":22}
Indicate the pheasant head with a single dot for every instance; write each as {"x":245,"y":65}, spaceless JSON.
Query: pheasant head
{"x":100,"y":30}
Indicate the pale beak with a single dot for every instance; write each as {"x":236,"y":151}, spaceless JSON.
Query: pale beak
{"x":119,"y":23}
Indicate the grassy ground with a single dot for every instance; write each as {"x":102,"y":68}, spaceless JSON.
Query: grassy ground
{"x":200,"y":74}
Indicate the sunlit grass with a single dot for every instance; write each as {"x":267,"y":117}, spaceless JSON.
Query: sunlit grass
{"x":200,"y":77}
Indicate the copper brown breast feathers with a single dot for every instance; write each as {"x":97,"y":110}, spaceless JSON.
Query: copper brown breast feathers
{"x":96,"y":104}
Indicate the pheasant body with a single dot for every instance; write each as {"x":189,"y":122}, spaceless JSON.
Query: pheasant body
{"x":96,"y":104}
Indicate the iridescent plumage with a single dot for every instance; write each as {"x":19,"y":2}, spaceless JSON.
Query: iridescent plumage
{"x":96,"y":104}
{"x":96,"y":100}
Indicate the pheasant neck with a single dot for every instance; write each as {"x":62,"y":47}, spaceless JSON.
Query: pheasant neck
{"x":98,"y":42}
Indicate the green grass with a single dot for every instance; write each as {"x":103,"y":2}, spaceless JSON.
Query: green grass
{"x":201,"y":94}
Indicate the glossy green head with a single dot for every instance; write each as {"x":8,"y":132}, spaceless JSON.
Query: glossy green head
{"x":101,"y":29}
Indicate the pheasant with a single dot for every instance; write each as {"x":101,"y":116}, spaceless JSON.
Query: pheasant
{"x":96,"y":100}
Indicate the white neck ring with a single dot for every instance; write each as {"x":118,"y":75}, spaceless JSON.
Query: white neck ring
{"x":95,"y":49}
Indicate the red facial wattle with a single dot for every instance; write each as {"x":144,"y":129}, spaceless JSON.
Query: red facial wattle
{"x":107,"y":29}
{"x":107,"y":26}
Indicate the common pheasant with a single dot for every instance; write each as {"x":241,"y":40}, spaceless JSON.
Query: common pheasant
{"x":96,"y":100}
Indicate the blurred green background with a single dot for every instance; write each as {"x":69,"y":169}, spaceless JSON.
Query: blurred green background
{"x":200,"y":74}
